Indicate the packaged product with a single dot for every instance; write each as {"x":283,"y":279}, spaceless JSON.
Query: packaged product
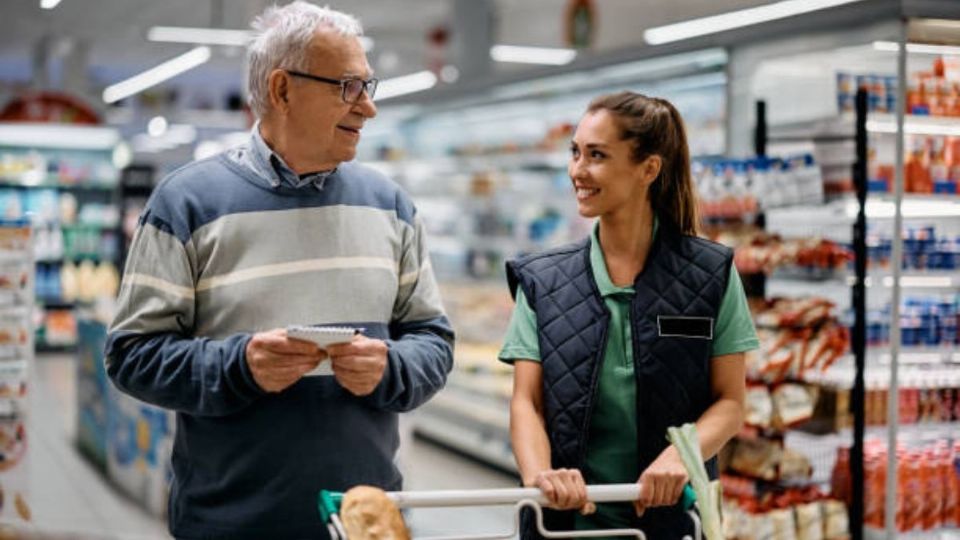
{"x":809,"y":521}
{"x":757,"y":458}
{"x":759,"y":406}
{"x":835,"y":522}
{"x":784,"y":527}
{"x":793,"y":404}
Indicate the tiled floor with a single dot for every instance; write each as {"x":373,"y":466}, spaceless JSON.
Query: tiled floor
{"x":71,"y":499}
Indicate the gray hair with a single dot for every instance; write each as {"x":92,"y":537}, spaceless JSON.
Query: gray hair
{"x":280,"y":40}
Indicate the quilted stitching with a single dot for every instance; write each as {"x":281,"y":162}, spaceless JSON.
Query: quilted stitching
{"x":687,"y":277}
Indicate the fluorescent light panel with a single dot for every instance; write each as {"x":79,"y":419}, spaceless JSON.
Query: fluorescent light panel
{"x":156,"y":75}
{"x":736,"y":19}
{"x":406,"y":84}
{"x":214,"y":36}
{"x":200,"y":36}
{"x":917,"y":48}
{"x":532,"y":55}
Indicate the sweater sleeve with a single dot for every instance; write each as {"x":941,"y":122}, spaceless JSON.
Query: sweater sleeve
{"x":421,"y":339}
{"x":151,"y":353}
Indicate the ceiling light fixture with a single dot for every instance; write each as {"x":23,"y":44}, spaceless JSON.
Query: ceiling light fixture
{"x":156,"y":75}
{"x":736,"y":19}
{"x":200,"y":36}
{"x":215,"y":36}
{"x":532,"y":55}
{"x":406,"y":84}
{"x":49,"y":4}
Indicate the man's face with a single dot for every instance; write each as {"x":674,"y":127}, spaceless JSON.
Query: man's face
{"x":322,"y":126}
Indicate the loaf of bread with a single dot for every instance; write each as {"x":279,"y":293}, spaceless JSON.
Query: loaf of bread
{"x":368,"y":514}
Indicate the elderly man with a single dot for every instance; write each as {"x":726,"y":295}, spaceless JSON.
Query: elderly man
{"x":284,"y":230}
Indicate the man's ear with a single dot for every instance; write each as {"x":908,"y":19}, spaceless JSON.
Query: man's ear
{"x":278,"y":87}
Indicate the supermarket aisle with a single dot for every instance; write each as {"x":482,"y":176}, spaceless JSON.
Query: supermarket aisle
{"x":67,"y":494}
{"x":71,"y":499}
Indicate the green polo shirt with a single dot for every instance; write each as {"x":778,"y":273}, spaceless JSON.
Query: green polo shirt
{"x":611,"y":448}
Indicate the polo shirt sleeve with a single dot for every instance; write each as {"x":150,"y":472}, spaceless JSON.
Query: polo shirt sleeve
{"x":734,"y":332}
{"x":521,"y":342}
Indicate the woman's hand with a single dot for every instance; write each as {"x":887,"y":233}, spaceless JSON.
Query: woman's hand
{"x":564,"y":488}
{"x":662,"y":483}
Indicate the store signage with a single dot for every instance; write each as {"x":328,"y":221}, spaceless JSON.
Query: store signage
{"x":53,"y":107}
{"x":580,"y":23}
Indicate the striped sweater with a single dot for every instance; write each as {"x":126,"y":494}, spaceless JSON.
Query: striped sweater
{"x":222,"y":252}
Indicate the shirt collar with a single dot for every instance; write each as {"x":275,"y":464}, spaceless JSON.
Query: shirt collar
{"x":599,"y":265}
{"x":271,"y":166}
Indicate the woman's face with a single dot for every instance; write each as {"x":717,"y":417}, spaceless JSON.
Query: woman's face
{"x":605,"y":176}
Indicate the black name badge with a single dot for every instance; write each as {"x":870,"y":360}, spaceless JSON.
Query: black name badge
{"x":688,"y":327}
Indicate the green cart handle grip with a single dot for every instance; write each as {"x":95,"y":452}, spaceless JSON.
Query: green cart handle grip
{"x":328,"y":502}
{"x":689,"y":498}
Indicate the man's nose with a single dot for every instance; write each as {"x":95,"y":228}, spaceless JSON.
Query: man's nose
{"x":365,"y":106}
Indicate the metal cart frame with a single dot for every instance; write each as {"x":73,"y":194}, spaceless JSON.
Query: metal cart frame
{"x":329,"y":506}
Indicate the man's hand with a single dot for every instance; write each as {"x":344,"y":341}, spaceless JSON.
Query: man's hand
{"x":358,"y":365}
{"x":662,"y":483}
{"x":277,"y":361}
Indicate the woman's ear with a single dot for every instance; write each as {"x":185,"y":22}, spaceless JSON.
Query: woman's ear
{"x":278,"y":88}
{"x":650,"y":169}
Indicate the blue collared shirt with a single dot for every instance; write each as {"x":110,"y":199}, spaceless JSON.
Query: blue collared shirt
{"x":268,"y":165}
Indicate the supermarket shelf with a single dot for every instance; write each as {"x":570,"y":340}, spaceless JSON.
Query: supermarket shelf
{"x":57,"y":348}
{"x":75,"y":257}
{"x":55,"y":303}
{"x":491,"y":448}
{"x":913,"y":124}
{"x":914,"y":432}
{"x":908,"y":280}
{"x":871,"y":533}
{"x":86,"y":186}
{"x":840,"y":212}
{"x":58,"y":136}
{"x":945,"y":354}
{"x":836,"y":129}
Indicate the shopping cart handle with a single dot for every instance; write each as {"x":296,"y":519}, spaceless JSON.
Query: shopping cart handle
{"x":328,"y":502}
{"x":689,"y":498}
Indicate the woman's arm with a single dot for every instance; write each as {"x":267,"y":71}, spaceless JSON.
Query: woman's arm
{"x":725,"y":417}
{"x":662,"y":482}
{"x":528,"y":433}
{"x":564,"y":488}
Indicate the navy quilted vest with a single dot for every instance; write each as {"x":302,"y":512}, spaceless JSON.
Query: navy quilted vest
{"x":677,"y":298}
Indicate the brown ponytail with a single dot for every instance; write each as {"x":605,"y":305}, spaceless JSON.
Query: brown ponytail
{"x":654,"y":127}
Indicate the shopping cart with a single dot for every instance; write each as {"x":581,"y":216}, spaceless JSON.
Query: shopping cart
{"x":520,"y":498}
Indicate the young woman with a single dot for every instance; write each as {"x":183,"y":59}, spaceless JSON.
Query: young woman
{"x":639,"y":327}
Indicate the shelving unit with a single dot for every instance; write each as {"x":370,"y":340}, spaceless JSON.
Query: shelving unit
{"x":926,"y":272}
{"x":16,"y":365}
{"x":63,"y":179}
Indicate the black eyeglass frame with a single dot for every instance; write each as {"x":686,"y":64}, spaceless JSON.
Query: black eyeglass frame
{"x":369,"y":85}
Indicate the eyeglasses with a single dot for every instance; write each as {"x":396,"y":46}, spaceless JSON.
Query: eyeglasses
{"x":350,"y":89}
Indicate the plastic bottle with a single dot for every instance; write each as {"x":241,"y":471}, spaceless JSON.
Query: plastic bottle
{"x":932,"y":486}
{"x":913,"y":492}
{"x":840,"y":476}
{"x":951,"y":499}
{"x":873,"y":507}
